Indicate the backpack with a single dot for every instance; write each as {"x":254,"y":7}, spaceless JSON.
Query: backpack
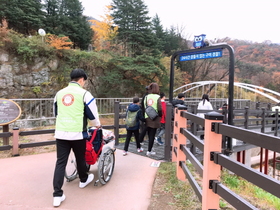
{"x":93,"y":146}
{"x":130,"y":119}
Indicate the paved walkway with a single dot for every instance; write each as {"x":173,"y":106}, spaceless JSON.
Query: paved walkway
{"x":133,"y":149}
{"x":26,"y":184}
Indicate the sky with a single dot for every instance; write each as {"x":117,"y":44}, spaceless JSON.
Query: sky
{"x":251,"y":20}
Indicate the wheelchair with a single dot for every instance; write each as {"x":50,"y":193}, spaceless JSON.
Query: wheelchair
{"x":105,"y":159}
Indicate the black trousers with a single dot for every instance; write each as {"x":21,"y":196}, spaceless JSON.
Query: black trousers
{"x":63,"y":148}
{"x":128,"y":138}
{"x":151,"y":134}
{"x":143,"y":132}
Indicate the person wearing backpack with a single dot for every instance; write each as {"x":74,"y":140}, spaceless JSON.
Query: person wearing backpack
{"x":133,"y":117}
{"x":161,"y":130}
{"x":152,"y":100}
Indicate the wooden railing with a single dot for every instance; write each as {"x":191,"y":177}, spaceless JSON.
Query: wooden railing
{"x":213,"y":158}
{"x":119,"y":111}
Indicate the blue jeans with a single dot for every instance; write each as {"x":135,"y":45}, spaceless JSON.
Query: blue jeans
{"x":161,"y":130}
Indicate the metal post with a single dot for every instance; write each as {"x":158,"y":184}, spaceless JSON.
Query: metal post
{"x":276,"y":123}
{"x":231,"y":80}
{"x":246,"y":118}
{"x":116,"y":121}
{"x":194,"y":128}
{"x":230,"y":93}
{"x":171,"y":79}
{"x":263,"y":121}
{"x":15,"y":151}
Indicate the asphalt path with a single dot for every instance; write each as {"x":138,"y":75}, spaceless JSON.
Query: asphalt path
{"x":26,"y":184}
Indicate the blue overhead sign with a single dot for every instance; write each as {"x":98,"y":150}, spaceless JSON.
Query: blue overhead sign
{"x":201,"y":55}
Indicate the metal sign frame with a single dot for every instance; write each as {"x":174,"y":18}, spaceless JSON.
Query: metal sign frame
{"x":231,"y":76}
{"x":5,"y":111}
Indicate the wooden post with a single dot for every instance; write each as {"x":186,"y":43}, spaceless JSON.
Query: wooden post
{"x":179,"y":139}
{"x":15,"y":141}
{"x":5,"y":139}
{"x":176,"y":131}
{"x":211,"y":171}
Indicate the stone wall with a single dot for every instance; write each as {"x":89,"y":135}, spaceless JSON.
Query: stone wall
{"x":40,"y":78}
{"x":24,"y":80}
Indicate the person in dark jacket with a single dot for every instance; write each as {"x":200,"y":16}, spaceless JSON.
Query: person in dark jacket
{"x":180,"y":100}
{"x":134,"y":107}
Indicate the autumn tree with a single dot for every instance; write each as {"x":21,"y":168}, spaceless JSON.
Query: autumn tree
{"x":4,"y":33}
{"x":275,"y":81}
{"x":59,"y":42}
{"x":105,"y":31}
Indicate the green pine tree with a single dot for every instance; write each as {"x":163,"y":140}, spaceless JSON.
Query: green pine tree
{"x":66,"y":17}
{"x":131,"y":16}
{"x":25,"y":17}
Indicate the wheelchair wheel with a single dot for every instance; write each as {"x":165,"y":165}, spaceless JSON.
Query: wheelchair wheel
{"x":106,"y":164}
{"x":71,"y":172}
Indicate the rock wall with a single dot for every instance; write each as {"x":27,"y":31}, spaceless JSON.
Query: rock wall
{"x":25,"y":80}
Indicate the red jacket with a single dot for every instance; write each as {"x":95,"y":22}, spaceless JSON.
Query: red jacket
{"x":163,"y":105}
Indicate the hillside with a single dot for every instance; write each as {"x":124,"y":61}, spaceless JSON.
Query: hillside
{"x":257,"y":63}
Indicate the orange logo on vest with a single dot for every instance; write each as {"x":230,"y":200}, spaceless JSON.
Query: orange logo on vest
{"x":68,"y":100}
{"x":150,"y":102}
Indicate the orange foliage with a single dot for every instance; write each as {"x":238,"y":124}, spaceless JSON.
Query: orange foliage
{"x":4,"y":32}
{"x":276,"y":78}
{"x":104,"y":31}
{"x":59,"y":42}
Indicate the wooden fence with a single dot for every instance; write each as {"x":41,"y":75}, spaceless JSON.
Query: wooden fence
{"x":119,"y":111}
{"x":185,"y":133}
{"x":213,"y":158}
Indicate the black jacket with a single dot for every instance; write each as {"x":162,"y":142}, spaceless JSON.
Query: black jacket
{"x":178,"y":101}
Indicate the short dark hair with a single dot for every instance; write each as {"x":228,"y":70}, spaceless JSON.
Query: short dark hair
{"x":162,"y":95}
{"x":136,"y":100}
{"x":76,"y":74}
{"x":181,"y":95}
